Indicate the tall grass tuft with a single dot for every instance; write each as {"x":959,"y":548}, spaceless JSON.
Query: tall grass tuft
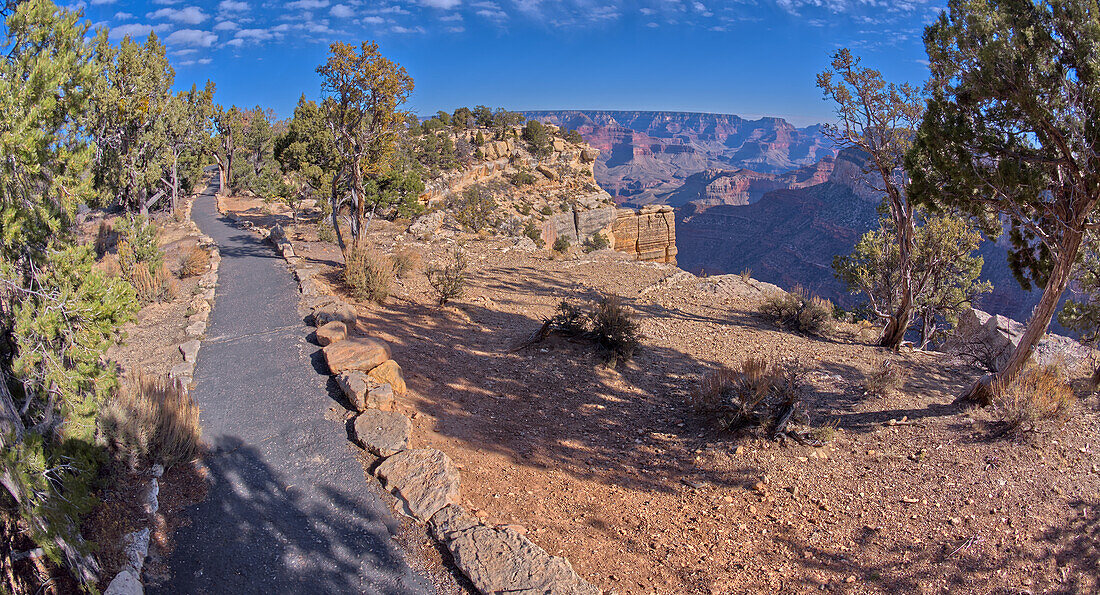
{"x":150,"y":420}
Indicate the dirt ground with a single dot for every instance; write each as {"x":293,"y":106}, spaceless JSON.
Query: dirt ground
{"x":612,"y":468}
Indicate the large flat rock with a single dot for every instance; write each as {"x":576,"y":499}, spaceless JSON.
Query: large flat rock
{"x":424,"y":478}
{"x":356,"y":353}
{"x":382,"y":433}
{"x":500,"y":560}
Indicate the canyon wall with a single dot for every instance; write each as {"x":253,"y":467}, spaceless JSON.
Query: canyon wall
{"x":649,"y":234}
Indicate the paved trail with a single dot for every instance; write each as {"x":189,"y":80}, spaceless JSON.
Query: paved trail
{"x":289,"y":510}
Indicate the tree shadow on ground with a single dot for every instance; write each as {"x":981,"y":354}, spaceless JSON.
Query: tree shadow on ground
{"x":310,"y":549}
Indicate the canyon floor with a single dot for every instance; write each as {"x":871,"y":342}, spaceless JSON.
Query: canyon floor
{"x":612,"y":468}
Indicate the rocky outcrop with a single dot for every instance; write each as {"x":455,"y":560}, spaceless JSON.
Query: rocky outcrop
{"x":648,"y":234}
{"x":990,"y":339}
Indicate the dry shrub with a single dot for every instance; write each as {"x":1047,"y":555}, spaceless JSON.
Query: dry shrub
{"x":1037,"y":395}
{"x":886,"y":378}
{"x":755,"y":395}
{"x":746,"y":275}
{"x":193,"y":262}
{"x":613,"y":328}
{"x":405,"y":261}
{"x":150,"y":420}
{"x":449,"y":278}
{"x":367,"y":274}
{"x":156,"y":286}
{"x":569,"y":320}
{"x":799,"y":311}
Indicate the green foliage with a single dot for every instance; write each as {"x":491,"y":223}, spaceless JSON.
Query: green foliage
{"x":523,"y":177}
{"x":944,"y":267}
{"x":140,"y":235}
{"x":449,"y":278}
{"x":533,"y":232}
{"x":1081,"y":313}
{"x":574,"y":137}
{"x":538,"y":138}
{"x":546,"y":210}
{"x":255,"y":168}
{"x":561,"y":244}
{"x":475,"y":208}
{"x":367,"y":274}
{"x":479,"y":139}
{"x":597,"y":242}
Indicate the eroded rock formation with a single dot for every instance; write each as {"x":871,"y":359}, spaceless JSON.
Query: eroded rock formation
{"x":649,"y":234}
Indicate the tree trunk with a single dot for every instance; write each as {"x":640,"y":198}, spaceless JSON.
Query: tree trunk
{"x":902,"y":214}
{"x":335,"y":203}
{"x":175,"y":181}
{"x":981,"y":391}
{"x":895,"y":330}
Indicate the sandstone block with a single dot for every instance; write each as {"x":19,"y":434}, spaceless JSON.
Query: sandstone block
{"x":356,"y":353}
{"x":336,"y":310}
{"x":190,"y":350}
{"x":382,"y":433}
{"x":365,"y":394}
{"x":425,"y":479}
{"x":589,"y":155}
{"x":331,"y":332}
{"x":389,"y":372}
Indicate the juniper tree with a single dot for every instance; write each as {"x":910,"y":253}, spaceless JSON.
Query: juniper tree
{"x":1010,"y":137}
{"x":228,"y":125}
{"x":57,"y":314}
{"x":879,"y":118}
{"x":186,"y":127}
{"x":364,"y":92}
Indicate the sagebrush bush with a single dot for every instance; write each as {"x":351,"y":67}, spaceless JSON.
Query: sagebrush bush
{"x":531,"y":231}
{"x":475,"y":208}
{"x":570,"y":320}
{"x":799,"y":311}
{"x":886,"y":378}
{"x":367,"y":274}
{"x":751,"y":396}
{"x":614,"y":328}
{"x":1038,"y":394}
{"x":405,"y":261}
{"x":150,"y":420}
{"x":448,"y":278}
{"x":561,"y":244}
{"x":193,"y":262}
{"x":325,"y":232}
{"x":597,"y":242}
{"x":156,"y":286}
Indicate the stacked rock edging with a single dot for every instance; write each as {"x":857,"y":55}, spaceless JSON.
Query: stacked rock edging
{"x":425,"y":482}
{"x":136,"y":544}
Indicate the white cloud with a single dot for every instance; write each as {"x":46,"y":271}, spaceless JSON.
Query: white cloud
{"x":231,"y":6}
{"x":307,"y":4}
{"x":456,"y":29}
{"x":341,"y":11}
{"x":130,"y":29}
{"x":190,"y":15}
{"x":227,"y":26}
{"x":99,"y":2}
{"x":123,"y":16}
{"x":451,"y":17}
{"x":444,"y":4}
{"x":373,"y":20}
{"x":400,"y":29}
{"x":235,"y":43}
{"x":192,"y":37}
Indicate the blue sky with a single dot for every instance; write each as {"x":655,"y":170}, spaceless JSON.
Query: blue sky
{"x":747,"y":57}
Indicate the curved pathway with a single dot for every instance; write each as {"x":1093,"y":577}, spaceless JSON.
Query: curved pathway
{"x":289,"y":510}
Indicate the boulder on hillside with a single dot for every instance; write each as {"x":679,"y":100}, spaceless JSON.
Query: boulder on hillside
{"x":382,"y":433}
{"x":331,"y":332}
{"x":426,"y":225}
{"x":389,"y":372}
{"x":425,"y":479}
{"x":356,"y":353}
{"x":990,"y":339}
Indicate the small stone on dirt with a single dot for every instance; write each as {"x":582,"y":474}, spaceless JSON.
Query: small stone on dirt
{"x":190,"y":350}
{"x":383,"y":433}
{"x":337,"y":310}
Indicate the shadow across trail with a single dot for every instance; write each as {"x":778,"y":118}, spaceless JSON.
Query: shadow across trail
{"x":289,"y":509}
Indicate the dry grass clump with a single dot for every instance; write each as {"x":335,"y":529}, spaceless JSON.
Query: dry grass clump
{"x":367,"y":274}
{"x":105,"y":238}
{"x":886,"y":378}
{"x":761,"y":394}
{"x":405,"y":261}
{"x":1037,"y":395}
{"x":156,"y":286}
{"x":797,"y":310}
{"x":746,"y":275}
{"x":614,"y":328}
{"x":150,"y":420}
{"x":193,"y":261}
{"x":448,"y":278}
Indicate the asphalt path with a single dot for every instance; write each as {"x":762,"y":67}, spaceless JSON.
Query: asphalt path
{"x":289,"y":509}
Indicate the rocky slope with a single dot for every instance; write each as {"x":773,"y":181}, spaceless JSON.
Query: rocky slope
{"x":713,"y":187}
{"x":657,"y":151}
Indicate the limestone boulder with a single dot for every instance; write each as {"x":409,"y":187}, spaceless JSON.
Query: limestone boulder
{"x":190,"y":350}
{"x":331,"y":332}
{"x":356,"y":353}
{"x":424,"y":479}
{"x":382,"y":433}
{"x":426,"y":225}
{"x":589,"y":155}
{"x":389,"y":372}
{"x":363,"y":393}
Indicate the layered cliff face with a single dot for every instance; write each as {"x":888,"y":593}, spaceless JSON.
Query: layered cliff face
{"x":648,"y":234}
{"x":654,"y":152}
{"x":715,"y":187}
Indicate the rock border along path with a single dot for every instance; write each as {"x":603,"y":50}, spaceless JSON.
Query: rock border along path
{"x":424,"y":480}
{"x":288,"y":510}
